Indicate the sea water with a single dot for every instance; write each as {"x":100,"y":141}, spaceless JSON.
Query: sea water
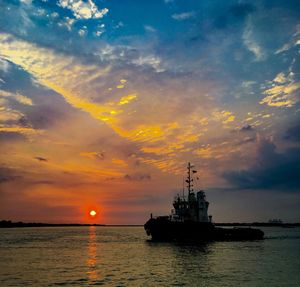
{"x":124,"y":256}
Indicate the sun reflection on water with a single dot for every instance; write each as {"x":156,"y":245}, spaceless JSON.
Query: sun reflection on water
{"x":92,"y":255}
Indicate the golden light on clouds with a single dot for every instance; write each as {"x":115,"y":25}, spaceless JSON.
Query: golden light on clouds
{"x":127,"y":99}
{"x":75,"y":82}
{"x":21,"y":130}
{"x":282,"y":92}
{"x":17,"y":97}
{"x":95,"y":112}
{"x":70,"y":79}
{"x":224,"y":116}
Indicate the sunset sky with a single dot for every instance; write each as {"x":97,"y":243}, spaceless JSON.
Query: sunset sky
{"x":103,"y":103}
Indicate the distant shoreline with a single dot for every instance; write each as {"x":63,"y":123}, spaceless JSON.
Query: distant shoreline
{"x":266,"y":224}
{"x":10,"y":224}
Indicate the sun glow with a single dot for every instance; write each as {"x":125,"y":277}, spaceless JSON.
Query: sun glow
{"x":93,"y":213}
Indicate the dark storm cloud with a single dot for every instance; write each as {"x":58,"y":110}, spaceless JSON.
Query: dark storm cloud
{"x":273,"y":170}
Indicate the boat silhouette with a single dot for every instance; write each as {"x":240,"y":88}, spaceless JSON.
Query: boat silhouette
{"x":189,"y":220}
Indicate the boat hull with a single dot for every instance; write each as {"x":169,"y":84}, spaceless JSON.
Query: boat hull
{"x":162,"y":229}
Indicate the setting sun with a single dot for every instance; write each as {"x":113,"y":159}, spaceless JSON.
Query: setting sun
{"x":93,"y":213}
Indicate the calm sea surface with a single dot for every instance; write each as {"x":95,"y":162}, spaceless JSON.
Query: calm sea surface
{"x":122,"y":256}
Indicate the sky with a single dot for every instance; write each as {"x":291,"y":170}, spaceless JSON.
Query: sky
{"x":104,"y":102}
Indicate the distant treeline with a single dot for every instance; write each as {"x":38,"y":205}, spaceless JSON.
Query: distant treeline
{"x":8,"y":224}
{"x":281,"y":224}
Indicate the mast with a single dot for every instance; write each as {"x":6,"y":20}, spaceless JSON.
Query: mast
{"x":189,"y":179}
{"x":183,"y":188}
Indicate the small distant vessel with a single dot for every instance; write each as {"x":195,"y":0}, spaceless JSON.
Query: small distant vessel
{"x":190,"y":221}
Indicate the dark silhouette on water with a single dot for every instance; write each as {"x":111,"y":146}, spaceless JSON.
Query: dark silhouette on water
{"x":10,"y":224}
{"x":190,"y":220}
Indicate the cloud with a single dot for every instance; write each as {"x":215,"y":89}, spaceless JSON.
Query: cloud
{"x":67,"y":22}
{"x":83,"y":10}
{"x":93,"y":155}
{"x":11,"y":137}
{"x":17,"y":97}
{"x":246,"y":128}
{"x":283,"y":91}
{"x":293,"y":41}
{"x":22,"y":115}
{"x":145,"y":119}
{"x":183,"y":16}
{"x":247,"y":140}
{"x":280,"y":78}
{"x":58,"y":73}
{"x":225,"y":117}
{"x":272,"y":170}
{"x":39,"y":158}
{"x":119,"y":162}
{"x":163,"y":114}
{"x":8,"y":174}
{"x":9,"y":115}
{"x":251,"y":43}
{"x":27,"y":2}
{"x":82,"y":32}
{"x":150,"y":29}
{"x":150,"y":61}
{"x":293,"y":133}
{"x":137,"y":177}
{"x":4,"y":65}
{"x":127,"y":99}
{"x":19,"y":129}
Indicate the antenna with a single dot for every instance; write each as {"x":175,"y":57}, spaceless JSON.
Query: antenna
{"x":183,"y":188}
{"x":189,"y":179}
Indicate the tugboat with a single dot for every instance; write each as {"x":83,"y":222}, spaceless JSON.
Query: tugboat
{"x":190,"y":221}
